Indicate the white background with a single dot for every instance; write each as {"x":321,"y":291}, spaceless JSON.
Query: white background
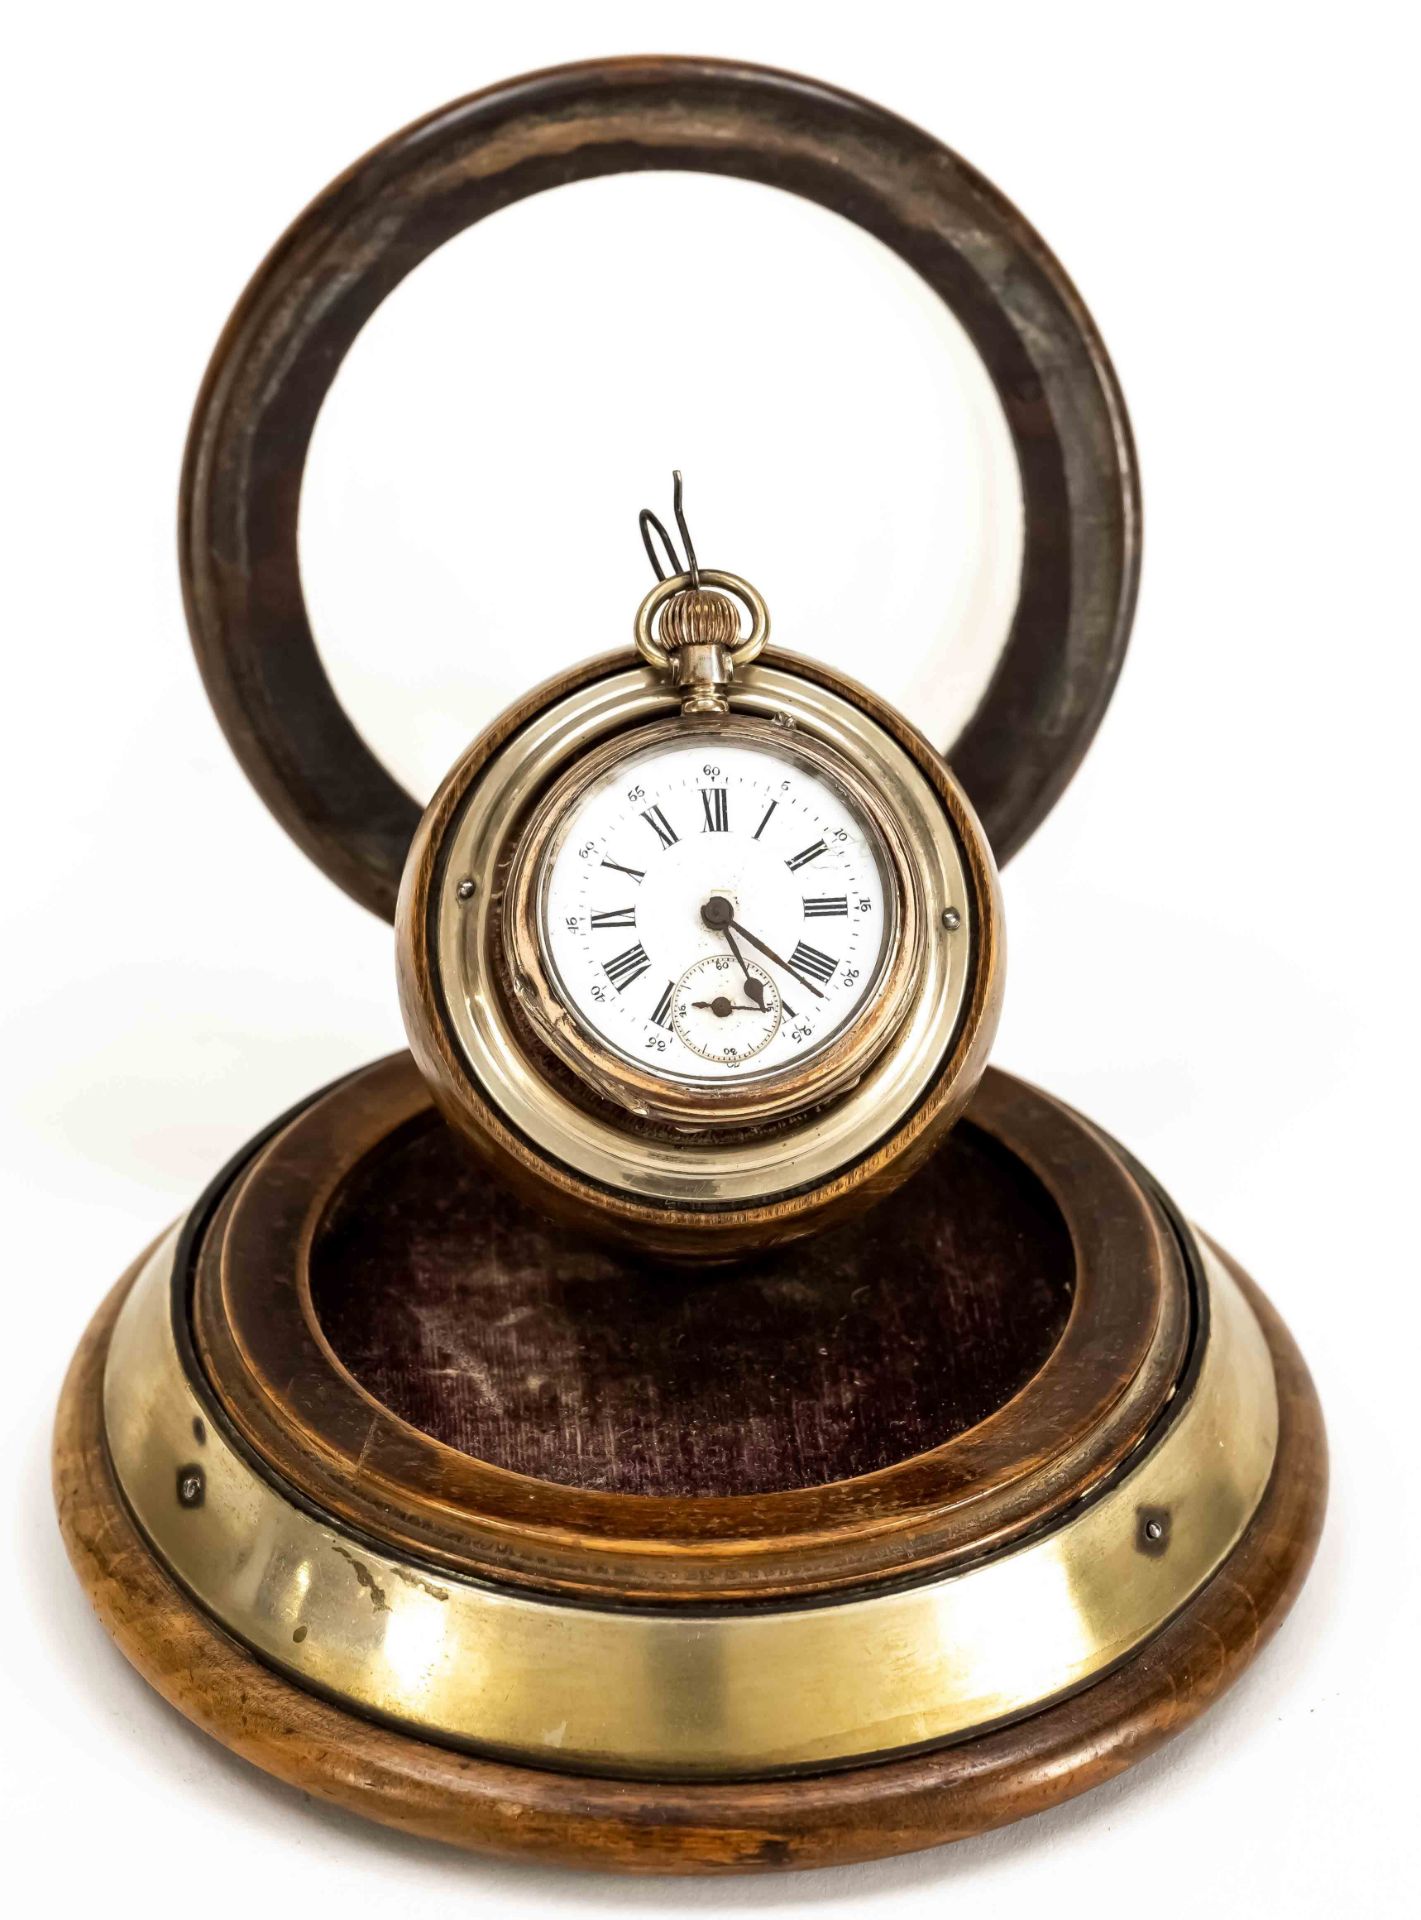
{"x":1213,"y":940}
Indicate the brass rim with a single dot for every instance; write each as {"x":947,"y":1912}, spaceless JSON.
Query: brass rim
{"x":751,"y":1691}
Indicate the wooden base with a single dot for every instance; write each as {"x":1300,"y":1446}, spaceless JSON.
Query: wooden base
{"x":812,"y":1818}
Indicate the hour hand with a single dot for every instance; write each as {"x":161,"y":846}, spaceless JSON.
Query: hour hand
{"x":719,"y":915}
{"x":716,"y":914}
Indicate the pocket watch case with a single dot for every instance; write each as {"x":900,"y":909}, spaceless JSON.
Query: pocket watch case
{"x":487,"y":1530}
{"x":686,"y":1166}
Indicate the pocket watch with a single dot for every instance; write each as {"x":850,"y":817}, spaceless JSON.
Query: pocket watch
{"x":700,"y":945}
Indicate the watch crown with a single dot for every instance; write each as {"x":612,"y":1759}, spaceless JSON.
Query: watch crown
{"x":698,"y":618}
{"x":699,"y":642}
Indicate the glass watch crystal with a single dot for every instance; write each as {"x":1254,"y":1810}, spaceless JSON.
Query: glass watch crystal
{"x":713,"y":909}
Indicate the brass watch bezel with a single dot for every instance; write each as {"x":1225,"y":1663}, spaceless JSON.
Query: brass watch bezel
{"x":758,"y":1097}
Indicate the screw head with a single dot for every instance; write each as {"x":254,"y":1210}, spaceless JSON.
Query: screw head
{"x":951,"y":919}
{"x":1153,"y":1535}
{"x":465,"y":890}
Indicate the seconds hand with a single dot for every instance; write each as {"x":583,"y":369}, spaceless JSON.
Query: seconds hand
{"x":719,"y":916}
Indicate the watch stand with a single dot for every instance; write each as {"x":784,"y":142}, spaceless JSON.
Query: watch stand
{"x":474,"y":1526}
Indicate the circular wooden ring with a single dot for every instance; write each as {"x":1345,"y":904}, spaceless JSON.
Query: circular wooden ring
{"x":308,"y":301}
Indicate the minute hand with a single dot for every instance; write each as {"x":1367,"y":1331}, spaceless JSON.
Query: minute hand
{"x":770,"y":954}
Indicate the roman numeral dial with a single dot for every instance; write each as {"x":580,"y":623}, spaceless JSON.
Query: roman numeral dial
{"x":789,"y":959}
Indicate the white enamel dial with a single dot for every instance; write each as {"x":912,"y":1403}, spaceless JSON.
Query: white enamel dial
{"x":739,"y":859}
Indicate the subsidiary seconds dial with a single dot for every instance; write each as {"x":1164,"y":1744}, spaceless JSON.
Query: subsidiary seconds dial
{"x":717,"y":907}
{"x":711,"y":1026}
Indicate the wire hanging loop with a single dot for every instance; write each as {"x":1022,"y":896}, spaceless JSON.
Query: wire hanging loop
{"x":648,"y":522}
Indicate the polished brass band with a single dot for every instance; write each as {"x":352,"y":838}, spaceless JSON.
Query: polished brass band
{"x":736,"y":1692}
